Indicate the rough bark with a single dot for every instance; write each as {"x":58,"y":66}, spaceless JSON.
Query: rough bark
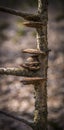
{"x":40,"y":116}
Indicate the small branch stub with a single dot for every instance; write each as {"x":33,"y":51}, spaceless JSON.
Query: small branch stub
{"x":33,"y":24}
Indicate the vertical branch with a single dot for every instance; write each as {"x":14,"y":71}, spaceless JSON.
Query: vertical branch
{"x":40,"y":116}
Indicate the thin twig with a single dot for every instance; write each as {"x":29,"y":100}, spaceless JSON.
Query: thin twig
{"x":17,"y":118}
{"x":21,"y":71}
{"x":31,"y":17}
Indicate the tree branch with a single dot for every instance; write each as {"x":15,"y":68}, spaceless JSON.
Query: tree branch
{"x":40,"y":114}
{"x":16,"y":71}
{"x":18,"y":118}
{"x":31,"y":17}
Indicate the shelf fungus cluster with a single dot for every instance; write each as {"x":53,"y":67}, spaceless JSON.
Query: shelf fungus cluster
{"x":33,"y":64}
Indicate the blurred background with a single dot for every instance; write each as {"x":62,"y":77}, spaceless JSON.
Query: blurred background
{"x":15,"y":98}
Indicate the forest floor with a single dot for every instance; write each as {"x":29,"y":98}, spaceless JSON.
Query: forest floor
{"x":17,"y":99}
